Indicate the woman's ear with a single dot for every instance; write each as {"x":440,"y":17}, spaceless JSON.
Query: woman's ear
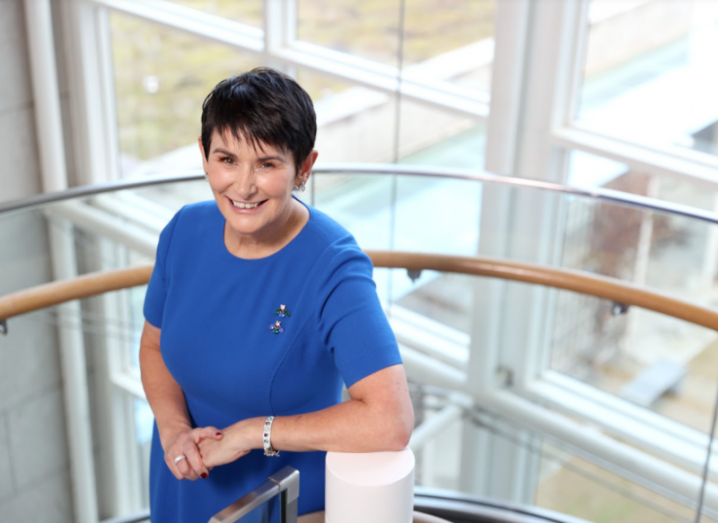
{"x":306,"y":168}
{"x":204,"y":156}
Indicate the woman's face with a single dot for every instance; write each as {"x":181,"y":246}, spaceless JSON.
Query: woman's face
{"x":253,"y":187}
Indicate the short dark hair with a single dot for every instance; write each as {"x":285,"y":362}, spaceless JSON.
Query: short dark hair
{"x":262,"y":106}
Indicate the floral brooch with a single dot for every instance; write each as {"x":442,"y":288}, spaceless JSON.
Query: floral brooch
{"x":282,"y":312}
{"x":276,"y":327}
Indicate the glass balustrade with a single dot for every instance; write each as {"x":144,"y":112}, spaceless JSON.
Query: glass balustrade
{"x":630,"y":362}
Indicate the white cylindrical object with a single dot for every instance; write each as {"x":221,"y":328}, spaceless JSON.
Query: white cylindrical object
{"x":375,"y":486}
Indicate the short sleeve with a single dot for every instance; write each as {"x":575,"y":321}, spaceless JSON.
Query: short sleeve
{"x":352,"y":322}
{"x":157,"y":287}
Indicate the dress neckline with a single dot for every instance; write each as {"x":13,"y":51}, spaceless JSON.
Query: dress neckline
{"x":223,"y":246}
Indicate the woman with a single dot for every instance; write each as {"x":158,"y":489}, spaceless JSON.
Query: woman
{"x":258,"y":309}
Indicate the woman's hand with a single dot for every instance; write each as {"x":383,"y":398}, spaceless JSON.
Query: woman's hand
{"x":186,"y":444}
{"x":238,"y":440}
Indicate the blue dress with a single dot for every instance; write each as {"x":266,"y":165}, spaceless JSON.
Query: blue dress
{"x":215,"y":311}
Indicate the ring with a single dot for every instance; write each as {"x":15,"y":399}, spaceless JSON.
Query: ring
{"x":180,"y":458}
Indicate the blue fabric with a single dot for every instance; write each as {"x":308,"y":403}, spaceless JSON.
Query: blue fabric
{"x":215,"y":311}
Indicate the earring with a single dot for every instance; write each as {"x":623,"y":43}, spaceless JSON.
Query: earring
{"x":301,"y":186}
{"x":206,"y":176}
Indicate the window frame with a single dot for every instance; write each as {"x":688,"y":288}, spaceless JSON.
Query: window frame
{"x":531,"y":131}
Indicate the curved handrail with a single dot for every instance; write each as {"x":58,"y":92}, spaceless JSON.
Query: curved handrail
{"x":85,"y":286}
{"x":625,"y":293}
{"x":623,"y":198}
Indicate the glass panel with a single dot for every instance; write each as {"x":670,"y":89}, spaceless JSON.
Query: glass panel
{"x":324,"y":91}
{"x":450,"y":42}
{"x":435,"y":27}
{"x":653,"y":360}
{"x":144,"y":422}
{"x":365,"y":29}
{"x":437,"y":215}
{"x":355,"y":125}
{"x":250,"y":12}
{"x":707,"y":510}
{"x":649,"y":73}
{"x":161,"y":79}
{"x":438,"y":462}
{"x":443,"y":41}
{"x":27,"y":263}
{"x":571,"y":485}
{"x":590,"y":340}
{"x":361,"y":203}
{"x":448,"y":141}
{"x":664,"y":251}
{"x":444,"y":302}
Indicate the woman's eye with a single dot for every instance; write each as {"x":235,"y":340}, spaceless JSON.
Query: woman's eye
{"x":226,"y":159}
{"x":267,"y":165}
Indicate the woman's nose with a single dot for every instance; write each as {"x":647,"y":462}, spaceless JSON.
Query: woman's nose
{"x":245,"y":181}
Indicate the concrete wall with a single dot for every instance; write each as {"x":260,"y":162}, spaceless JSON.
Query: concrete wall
{"x":19,"y":166}
{"x":34,"y":465}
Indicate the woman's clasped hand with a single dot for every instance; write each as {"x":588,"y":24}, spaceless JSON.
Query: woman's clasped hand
{"x":236,"y":443}
{"x":183,"y":456}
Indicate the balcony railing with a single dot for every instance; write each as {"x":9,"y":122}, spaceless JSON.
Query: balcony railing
{"x":618,"y":249}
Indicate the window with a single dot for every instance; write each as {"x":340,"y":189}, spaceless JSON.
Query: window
{"x":599,"y":94}
{"x":642,"y":56}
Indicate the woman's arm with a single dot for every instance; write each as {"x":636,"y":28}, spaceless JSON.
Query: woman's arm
{"x":170,"y":409}
{"x":378,"y":417}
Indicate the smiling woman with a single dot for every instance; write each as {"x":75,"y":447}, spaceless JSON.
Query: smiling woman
{"x":252,"y":185}
{"x":259,"y":309}
{"x":253,"y":159}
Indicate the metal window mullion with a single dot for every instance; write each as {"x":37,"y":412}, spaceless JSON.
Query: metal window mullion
{"x":630,"y":458}
{"x":191,"y":21}
{"x":277,"y":43}
{"x":106,"y":84}
{"x":551,"y":60}
{"x":570,"y":79}
{"x":85,"y":44}
{"x":291,"y":21}
{"x":687,"y":166}
{"x":75,"y":386}
{"x":534,"y":42}
{"x":490,"y":465}
{"x":275,"y":33}
{"x":349,"y":72}
{"x":412,"y":74}
{"x":119,"y":450}
{"x":507,"y":85}
{"x":576,"y":391}
{"x":688,"y":452}
{"x":570,"y":55}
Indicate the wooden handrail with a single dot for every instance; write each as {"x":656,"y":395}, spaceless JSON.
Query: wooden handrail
{"x":54,"y":293}
{"x":57,"y":292}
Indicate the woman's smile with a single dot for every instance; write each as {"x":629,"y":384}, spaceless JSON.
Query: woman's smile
{"x":252,"y":184}
{"x":246,"y":206}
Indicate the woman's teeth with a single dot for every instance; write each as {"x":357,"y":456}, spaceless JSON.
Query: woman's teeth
{"x":245,"y":205}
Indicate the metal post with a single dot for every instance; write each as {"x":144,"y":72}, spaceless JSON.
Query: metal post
{"x":284,"y":483}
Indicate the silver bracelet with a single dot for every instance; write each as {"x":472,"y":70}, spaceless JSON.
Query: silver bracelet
{"x":267,"y":439}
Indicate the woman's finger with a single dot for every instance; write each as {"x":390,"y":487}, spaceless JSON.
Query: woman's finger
{"x":209,"y":432}
{"x":173,"y":467}
{"x":184,"y":468}
{"x":190,"y":465}
{"x":194,"y":460}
